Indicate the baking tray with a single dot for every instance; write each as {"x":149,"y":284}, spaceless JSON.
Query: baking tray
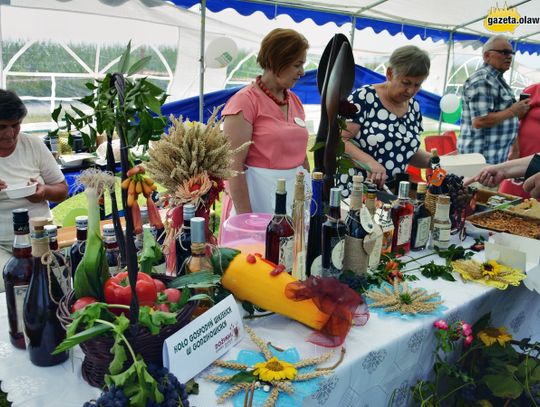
{"x":482,"y":196}
{"x":531,"y":225}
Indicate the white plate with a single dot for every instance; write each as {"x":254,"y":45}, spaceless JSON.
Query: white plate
{"x":16,"y":191}
{"x":74,"y":160}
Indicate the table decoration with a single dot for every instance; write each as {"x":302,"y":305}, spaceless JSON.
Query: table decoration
{"x":323,"y":304}
{"x":400,"y":300}
{"x":480,"y":365}
{"x":490,"y":273}
{"x":271,"y":377}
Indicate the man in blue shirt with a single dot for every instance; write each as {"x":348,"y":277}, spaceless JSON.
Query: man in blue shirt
{"x":490,"y":115}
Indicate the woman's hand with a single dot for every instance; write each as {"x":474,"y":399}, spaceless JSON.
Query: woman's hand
{"x":40,"y":194}
{"x":3,"y":184}
{"x":490,"y":176}
{"x":532,"y":185}
{"x":377,"y":173}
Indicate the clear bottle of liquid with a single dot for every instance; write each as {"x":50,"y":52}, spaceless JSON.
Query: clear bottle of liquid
{"x":183,"y":243}
{"x":402,"y":216}
{"x":333,"y":237}
{"x":199,"y":260}
{"x":17,"y":272}
{"x":299,"y":242}
{"x":440,"y":235}
{"x":383,"y":219}
{"x":421,"y":221}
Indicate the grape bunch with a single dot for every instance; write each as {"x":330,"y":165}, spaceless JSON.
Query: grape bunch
{"x":114,"y":397}
{"x":460,"y":196}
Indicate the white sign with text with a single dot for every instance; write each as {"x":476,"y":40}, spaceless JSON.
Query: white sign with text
{"x":205,"y":339}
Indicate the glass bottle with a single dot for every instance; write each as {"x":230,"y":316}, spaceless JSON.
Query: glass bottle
{"x":76,"y":251}
{"x":377,"y":234}
{"x":279,"y":232}
{"x":421,"y":220}
{"x":112,"y":250}
{"x":299,"y":242}
{"x":440,"y":235}
{"x":359,"y":224}
{"x":199,"y":260}
{"x":183,"y":243}
{"x":313,"y":256}
{"x":402,"y":216}
{"x":437,"y":174}
{"x":41,"y":325}
{"x":17,"y":272}
{"x":333,"y":237}
{"x":60,"y":270}
{"x":383,"y":218}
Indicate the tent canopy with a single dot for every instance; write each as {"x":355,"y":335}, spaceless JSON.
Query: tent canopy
{"x":435,"y":19}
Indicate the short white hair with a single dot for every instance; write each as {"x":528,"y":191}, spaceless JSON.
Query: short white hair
{"x":489,"y":43}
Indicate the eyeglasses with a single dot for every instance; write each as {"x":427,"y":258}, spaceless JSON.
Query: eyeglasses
{"x":504,"y":52}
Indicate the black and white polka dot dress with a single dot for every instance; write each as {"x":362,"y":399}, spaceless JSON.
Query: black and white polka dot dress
{"x":389,"y":139}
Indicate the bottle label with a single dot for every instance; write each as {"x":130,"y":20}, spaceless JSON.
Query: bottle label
{"x":375,"y":256}
{"x":286,"y":245}
{"x":337,"y":249}
{"x":366,"y":220}
{"x":423,"y":227}
{"x":61,"y":273}
{"x":404,"y":229}
{"x":20,"y":292}
{"x":355,"y":258}
{"x":441,"y":235}
{"x":388,"y":235}
{"x":316,"y":267}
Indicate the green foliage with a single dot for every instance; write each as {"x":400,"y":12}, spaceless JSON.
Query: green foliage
{"x":435,"y":271}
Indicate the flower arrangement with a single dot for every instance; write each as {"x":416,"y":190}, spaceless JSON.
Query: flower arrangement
{"x":489,"y":273}
{"x":488,"y":371}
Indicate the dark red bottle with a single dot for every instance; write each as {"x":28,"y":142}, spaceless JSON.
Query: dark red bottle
{"x":60,"y":269}
{"x":279,"y":232}
{"x":41,"y":325}
{"x":17,"y":273}
{"x":76,"y":252}
{"x":402,"y":216}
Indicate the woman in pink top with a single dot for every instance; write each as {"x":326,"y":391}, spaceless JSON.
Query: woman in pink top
{"x":269,"y":115}
{"x":528,"y":141}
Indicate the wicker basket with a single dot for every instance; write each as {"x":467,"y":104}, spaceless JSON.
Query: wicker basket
{"x":96,"y":351}
{"x":431,"y":204}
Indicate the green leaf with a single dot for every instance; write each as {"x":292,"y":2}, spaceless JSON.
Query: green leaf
{"x":96,"y":330}
{"x":192,"y":387}
{"x":90,"y":85}
{"x":137,"y":66}
{"x":503,"y":386}
{"x":243,"y":377}
{"x":124,"y":59}
{"x":221,"y":258}
{"x":317,"y":146}
{"x":79,"y":112}
{"x":56,"y":113}
{"x":201,"y":277}
{"x":184,"y":298}
{"x":535,"y":374}
{"x":153,"y":104}
{"x":198,"y":297}
{"x":150,"y":254}
{"x":154,"y":320}
{"x":119,"y":358}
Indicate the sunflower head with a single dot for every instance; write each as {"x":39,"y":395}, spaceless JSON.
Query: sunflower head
{"x":490,"y":268}
{"x":275,"y":369}
{"x":490,"y":336}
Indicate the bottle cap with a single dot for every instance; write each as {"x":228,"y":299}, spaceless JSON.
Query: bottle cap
{"x":317,"y":175}
{"x":335,"y":197}
{"x":108,"y":230}
{"x":443,"y":199}
{"x":51,"y":230}
{"x":358,"y":179}
{"x":434,"y":152}
{"x":197,"y":230}
{"x":189,"y":211}
{"x":421,"y":188}
{"x":20,"y":215}
{"x":281,"y":186}
{"x":38,"y":222}
{"x":404,"y":187}
{"x":81,"y":222}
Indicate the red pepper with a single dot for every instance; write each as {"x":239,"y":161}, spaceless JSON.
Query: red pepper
{"x":118,"y":291}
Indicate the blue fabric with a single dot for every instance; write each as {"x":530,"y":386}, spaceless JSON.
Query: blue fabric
{"x":302,"y":389}
{"x":305,"y":88}
{"x":247,"y":8}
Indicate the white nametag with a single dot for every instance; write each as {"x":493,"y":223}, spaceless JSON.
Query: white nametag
{"x":203,"y":340}
{"x":299,"y":122}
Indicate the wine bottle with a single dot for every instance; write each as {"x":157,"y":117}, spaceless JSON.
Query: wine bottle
{"x":383,"y":218}
{"x":402,"y":216}
{"x":76,"y":252}
{"x":377,"y":234}
{"x":41,"y":325}
{"x":183,"y":242}
{"x":279,"y":232}
{"x":199,"y":260}
{"x":299,"y":242}
{"x":61,"y":271}
{"x":313,"y":256}
{"x":333,"y":237}
{"x":359,"y":225}
{"x":112,"y":250}
{"x":421,"y":220}
{"x":440,"y":235}
{"x":436,"y":177}
{"x":17,"y":272}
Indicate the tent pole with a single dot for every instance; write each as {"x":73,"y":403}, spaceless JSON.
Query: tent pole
{"x":353,"y":29}
{"x":513,"y":63}
{"x":201,"y":74}
{"x":2,"y":76}
{"x":450,"y":46}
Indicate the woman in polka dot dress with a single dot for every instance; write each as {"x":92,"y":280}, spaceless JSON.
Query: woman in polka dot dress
{"x":385,"y":131}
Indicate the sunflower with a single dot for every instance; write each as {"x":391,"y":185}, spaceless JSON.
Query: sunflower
{"x":491,"y":268}
{"x":275,"y":369}
{"x":492,"y":335}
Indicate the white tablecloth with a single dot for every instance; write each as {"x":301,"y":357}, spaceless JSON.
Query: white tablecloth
{"x":387,"y":355}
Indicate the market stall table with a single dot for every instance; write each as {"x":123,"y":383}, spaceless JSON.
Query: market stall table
{"x":383,"y":358}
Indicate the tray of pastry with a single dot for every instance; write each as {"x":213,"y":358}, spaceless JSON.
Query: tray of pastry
{"x":486,"y":200}
{"x":502,"y":220}
{"x":529,"y":207}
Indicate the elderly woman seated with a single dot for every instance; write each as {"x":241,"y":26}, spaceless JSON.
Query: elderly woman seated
{"x":385,"y":131}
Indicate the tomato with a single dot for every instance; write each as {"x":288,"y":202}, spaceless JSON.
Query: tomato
{"x":160,"y":285}
{"x":118,"y":291}
{"x":162,"y":307}
{"x":173,"y":294}
{"x":82,"y":302}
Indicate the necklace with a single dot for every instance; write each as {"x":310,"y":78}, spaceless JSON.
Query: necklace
{"x":278,"y":102}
